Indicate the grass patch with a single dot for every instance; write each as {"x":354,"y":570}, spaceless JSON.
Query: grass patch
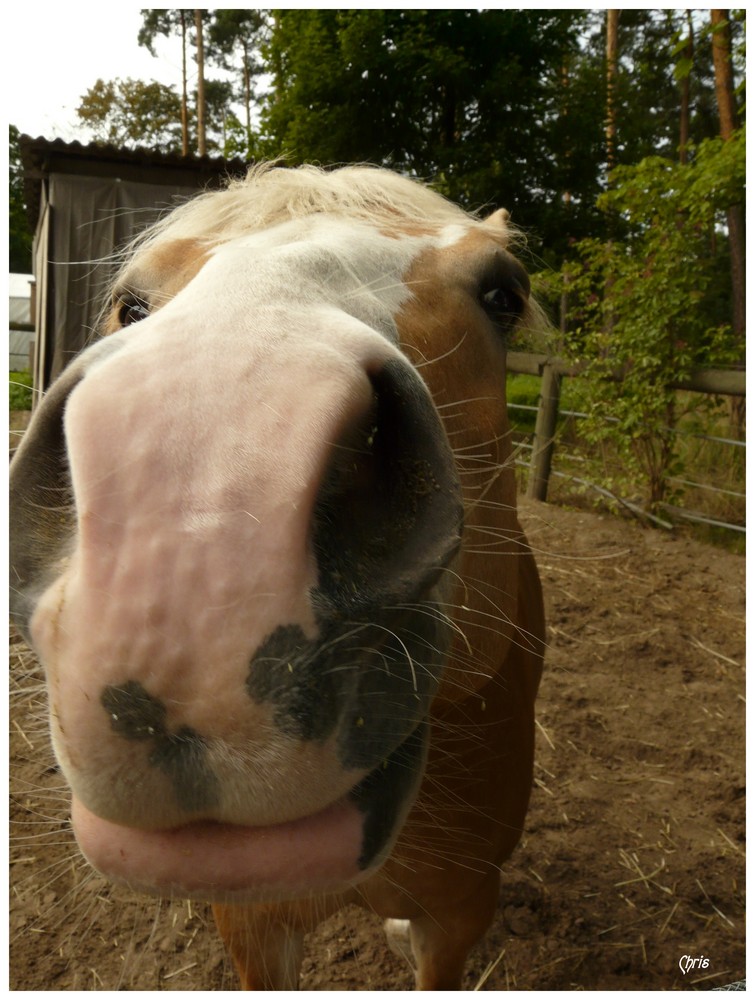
{"x":20,"y":390}
{"x":524,"y":391}
{"x":521,"y":391}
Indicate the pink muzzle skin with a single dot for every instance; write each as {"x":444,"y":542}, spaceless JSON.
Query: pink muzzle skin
{"x":222,"y":861}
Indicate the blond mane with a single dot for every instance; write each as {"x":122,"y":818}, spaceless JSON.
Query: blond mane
{"x":270,"y":194}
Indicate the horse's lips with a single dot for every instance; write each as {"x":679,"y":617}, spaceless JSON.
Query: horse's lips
{"x":216,"y":861}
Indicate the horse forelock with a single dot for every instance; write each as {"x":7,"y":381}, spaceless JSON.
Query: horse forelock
{"x":270,"y":195}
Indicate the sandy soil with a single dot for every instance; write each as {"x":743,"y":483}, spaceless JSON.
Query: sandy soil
{"x":634,"y":851}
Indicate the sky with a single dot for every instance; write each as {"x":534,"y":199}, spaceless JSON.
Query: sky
{"x":57,"y":53}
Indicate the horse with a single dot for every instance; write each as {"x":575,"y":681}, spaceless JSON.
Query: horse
{"x":264,"y":541}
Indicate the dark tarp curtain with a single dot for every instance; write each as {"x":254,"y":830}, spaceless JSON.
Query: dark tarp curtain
{"x":89,"y":220}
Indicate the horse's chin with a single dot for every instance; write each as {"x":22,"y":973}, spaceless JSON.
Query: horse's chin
{"x":224,"y":862}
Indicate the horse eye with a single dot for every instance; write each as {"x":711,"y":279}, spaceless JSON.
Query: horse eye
{"x":132,"y":310}
{"x":503,"y":306}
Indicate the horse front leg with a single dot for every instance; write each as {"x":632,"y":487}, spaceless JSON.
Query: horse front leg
{"x":442,"y":940}
{"x":265,"y":942}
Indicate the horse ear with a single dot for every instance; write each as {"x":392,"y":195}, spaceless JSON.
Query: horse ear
{"x":498,"y":219}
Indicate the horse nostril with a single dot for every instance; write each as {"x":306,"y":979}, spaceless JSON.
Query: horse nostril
{"x":353,"y":475}
{"x":388,"y":514}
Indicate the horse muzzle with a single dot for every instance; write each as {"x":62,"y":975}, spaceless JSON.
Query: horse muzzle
{"x":240,"y":612}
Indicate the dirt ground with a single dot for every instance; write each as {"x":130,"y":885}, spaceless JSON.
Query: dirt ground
{"x":633,"y":856}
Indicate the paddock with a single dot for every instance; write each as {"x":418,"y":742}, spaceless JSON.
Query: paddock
{"x":633,"y":852}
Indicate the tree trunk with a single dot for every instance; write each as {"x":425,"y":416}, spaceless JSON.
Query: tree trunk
{"x":612,"y":52}
{"x":735,"y":214}
{"x":201,"y":132}
{"x":612,"y":60}
{"x":184,"y":91}
{"x":735,"y":217}
{"x":566,"y":197}
{"x":247,"y":94}
{"x":689,"y":53}
{"x":727,"y":115}
{"x":727,"y":109}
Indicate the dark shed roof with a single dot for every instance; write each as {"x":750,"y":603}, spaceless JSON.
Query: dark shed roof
{"x":41,"y":157}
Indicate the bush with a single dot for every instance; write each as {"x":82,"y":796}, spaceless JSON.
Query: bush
{"x":646,"y":308}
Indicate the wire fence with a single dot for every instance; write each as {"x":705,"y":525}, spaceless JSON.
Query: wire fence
{"x":709,"y":491}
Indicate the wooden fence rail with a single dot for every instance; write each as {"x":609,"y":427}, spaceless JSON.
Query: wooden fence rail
{"x":551,"y":370}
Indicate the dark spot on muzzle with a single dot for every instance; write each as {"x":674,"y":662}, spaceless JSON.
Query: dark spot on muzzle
{"x":383,"y":793}
{"x":370,"y":683}
{"x":300,"y":684}
{"x":133,"y":712}
{"x":137,"y":715}
{"x":369,"y":696}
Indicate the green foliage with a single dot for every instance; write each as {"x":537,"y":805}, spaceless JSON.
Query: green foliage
{"x":20,"y":390}
{"x":506,"y":108}
{"x":467,"y":99}
{"x":165,"y":23}
{"x":231,"y":30}
{"x":501,"y":108}
{"x":218,"y":98}
{"x":19,"y":233}
{"x":648,"y":309}
{"x":233,"y":42}
{"x":237,"y":140}
{"x":652,"y":64}
{"x":133,"y":113}
{"x":493,"y":107}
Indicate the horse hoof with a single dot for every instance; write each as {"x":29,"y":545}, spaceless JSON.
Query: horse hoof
{"x":397,"y":934}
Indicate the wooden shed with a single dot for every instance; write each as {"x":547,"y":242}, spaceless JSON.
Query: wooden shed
{"x":84,"y":203}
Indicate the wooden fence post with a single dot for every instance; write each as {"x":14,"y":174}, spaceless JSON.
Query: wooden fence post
{"x":545,"y":432}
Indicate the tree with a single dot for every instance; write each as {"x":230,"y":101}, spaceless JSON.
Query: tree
{"x":218,"y":96}
{"x":133,"y":113}
{"x":234,"y":32}
{"x":646,"y":97}
{"x":612,"y":72}
{"x":504,"y":107}
{"x":19,"y":232}
{"x":165,"y":22}
{"x":465,"y":98}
